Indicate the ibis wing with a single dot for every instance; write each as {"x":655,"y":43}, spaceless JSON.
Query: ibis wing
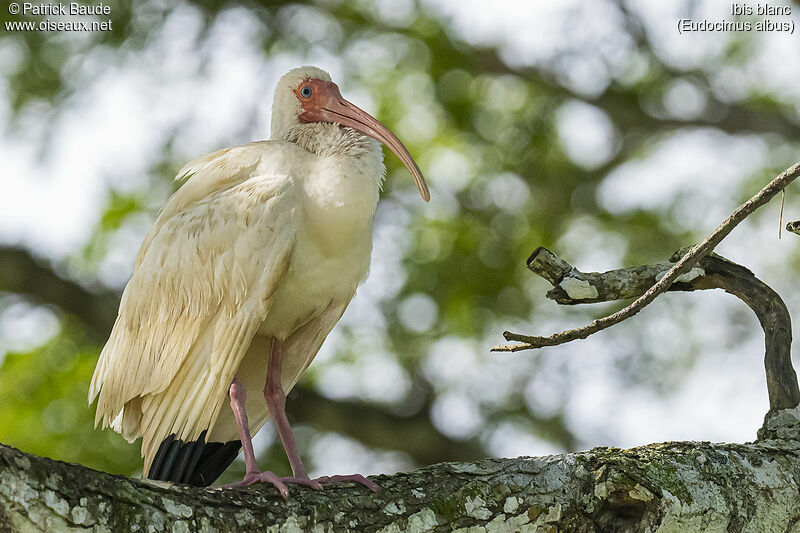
{"x":201,"y":286}
{"x":206,"y":176}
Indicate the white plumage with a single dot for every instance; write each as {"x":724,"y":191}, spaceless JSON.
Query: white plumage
{"x":264,"y":240}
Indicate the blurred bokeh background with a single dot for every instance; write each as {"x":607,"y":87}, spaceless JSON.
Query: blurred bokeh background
{"x":591,"y":127}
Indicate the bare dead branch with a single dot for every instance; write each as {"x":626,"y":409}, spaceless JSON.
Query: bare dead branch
{"x":682,"y":266}
{"x":712,"y":272}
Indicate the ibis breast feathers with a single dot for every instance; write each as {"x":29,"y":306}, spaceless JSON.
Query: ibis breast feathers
{"x":201,"y":286}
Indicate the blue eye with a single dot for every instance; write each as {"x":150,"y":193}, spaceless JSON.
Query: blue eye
{"x":305,"y":92}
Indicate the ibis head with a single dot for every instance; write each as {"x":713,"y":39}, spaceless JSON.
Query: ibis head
{"x":307,"y":95}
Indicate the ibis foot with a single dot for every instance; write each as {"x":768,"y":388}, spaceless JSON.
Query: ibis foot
{"x":317,"y":484}
{"x":280,"y":483}
{"x":306,"y":481}
{"x":252,"y":478}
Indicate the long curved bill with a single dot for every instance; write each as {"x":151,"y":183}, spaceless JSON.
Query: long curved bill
{"x":339,"y":110}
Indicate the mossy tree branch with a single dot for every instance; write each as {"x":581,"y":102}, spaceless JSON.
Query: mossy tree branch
{"x":673,"y":486}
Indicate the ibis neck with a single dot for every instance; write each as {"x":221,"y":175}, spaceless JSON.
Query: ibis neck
{"x":325,"y":139}
{"x":343,"y":185}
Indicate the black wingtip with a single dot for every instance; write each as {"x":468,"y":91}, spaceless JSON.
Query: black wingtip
{"x":169,"y":460}
{"x":195,"y":463}
{"x":215,"y":459}
{"x":158,"y":460}
{"x":192,"y":458}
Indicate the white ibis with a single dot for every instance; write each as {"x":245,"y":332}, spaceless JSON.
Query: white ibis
{"x":245,"y":272}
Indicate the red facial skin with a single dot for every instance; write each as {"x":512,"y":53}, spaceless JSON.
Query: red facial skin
{"x":321,"y":92}
{"x":326,"y":104}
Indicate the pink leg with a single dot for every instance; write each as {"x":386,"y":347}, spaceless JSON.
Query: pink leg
{"x":276,"y":402}
{"x":238,"y":395}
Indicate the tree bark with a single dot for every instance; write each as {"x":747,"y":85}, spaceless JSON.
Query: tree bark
{"x":674,"y":486}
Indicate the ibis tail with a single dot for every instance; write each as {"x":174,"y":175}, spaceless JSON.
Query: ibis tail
{"x":197,"y":463}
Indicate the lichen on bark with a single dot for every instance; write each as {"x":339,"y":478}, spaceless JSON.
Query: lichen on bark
{"x":667,"y":487}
